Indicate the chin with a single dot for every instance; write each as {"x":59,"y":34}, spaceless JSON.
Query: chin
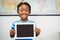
{"x":24,"y":18}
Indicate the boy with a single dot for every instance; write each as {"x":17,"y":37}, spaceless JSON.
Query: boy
{"x":23,"y":10}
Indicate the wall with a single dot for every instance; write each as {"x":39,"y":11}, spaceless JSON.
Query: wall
{"x":49,"y":25}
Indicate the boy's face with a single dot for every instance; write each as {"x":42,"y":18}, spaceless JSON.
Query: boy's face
{"x":24,"y":11}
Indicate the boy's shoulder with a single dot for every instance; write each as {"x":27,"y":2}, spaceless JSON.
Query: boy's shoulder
{"x":19,"y":21}
{"x":31,"y":21}
{"x":16,"y":21}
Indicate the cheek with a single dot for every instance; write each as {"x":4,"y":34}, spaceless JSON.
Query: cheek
{"x":19,"y":13}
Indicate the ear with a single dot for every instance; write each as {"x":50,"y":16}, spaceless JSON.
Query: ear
{"x":17,"y":11}
{"x":29,"y":11}
{"x":29,"y":14}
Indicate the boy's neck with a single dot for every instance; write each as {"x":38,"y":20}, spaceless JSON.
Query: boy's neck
{"x":24,"y":20}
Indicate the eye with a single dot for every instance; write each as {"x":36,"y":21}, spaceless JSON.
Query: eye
{"x":21,"y":10}
{"x":26,"y":10}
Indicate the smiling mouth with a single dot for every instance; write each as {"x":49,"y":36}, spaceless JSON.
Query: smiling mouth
{"x":24,"y":15}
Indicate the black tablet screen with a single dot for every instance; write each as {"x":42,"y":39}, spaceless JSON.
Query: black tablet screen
{"x":25,"y":30}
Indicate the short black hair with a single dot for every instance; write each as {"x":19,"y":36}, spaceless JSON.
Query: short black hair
{"x":25,"y":4}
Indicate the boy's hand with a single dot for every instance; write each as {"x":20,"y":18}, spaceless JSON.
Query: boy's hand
{"x":37,"y":30}
{"x":12,"y":33}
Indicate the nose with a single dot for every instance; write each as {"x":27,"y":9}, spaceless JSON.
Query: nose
{"x":24,"y":12}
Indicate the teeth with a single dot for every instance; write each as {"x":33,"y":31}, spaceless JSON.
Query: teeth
{"x":23,"y":15}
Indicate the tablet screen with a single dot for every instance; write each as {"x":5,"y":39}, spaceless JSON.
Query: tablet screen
{"x":25,"y":30}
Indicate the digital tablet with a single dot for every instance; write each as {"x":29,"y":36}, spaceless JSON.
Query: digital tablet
{"x":24,"y":30}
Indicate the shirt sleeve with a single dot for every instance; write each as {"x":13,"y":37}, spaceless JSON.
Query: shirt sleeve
{"x":35,"y":25}
{"x":13,"y":26}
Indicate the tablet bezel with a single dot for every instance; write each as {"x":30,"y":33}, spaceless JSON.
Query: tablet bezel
{"x":24,"y":24}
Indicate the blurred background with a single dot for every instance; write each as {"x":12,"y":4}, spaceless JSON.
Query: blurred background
{"x":49,"y":25}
